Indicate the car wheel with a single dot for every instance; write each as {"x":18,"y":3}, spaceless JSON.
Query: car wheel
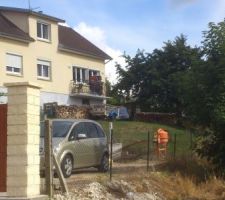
{"x":67,"y":166}
{"x":104,"y":166}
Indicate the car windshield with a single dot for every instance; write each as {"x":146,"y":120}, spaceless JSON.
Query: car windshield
{"x":59,"y":128}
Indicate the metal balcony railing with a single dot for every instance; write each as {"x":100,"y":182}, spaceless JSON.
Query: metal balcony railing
{"x":88,"y":87}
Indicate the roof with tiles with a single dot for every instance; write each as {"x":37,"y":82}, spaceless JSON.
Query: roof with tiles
{"x":10,"y":30}
{"x":69,"y":39}
{"x":31,"y":12}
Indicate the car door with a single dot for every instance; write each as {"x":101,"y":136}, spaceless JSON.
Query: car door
{"x":93,"y":140}
{"x":102,"y":142}
{"x":81,"y":148}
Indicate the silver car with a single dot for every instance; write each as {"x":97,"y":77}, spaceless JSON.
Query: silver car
{"x":77,"y":144}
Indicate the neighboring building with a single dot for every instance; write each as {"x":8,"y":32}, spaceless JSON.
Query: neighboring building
{"x":34,"y":47}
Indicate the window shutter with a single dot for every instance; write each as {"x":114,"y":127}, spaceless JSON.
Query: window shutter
{"x":14,"y":61}
{"x":42,"y":62}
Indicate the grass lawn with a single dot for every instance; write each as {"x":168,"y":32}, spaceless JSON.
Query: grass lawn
{"x":130,"y":132}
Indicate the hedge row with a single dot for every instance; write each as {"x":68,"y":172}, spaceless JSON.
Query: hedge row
{"x":164,"y":118}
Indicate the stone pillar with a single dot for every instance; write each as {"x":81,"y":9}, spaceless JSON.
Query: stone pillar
{"x":23,"y":174}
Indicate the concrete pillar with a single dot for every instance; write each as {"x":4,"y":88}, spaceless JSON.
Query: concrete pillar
{"x":23,"y":137}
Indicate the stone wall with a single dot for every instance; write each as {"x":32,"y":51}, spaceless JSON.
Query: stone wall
{"x":23,"y":179}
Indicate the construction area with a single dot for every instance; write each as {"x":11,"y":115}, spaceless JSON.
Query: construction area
{"x":143,"y":158}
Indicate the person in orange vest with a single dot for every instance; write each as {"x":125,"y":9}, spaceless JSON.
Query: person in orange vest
{"x":161,"y":138}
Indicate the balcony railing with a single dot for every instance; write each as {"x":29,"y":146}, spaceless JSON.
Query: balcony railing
{"x":89,"y":88}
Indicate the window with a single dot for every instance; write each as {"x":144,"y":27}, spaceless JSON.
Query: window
{"x":83,"y":75}
{"x":43,"y":31}
{"x":94,"y":73}
{"x":13,"y":64}
{"x":91,"y":130}
{"x":59,"y":128}
{"x":78,"y":129}
{"x":80,"y":75}
{"x":43,"y":69}
{"x":100,"y":132}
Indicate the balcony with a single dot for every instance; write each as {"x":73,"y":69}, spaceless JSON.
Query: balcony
{"x":92,"y":89}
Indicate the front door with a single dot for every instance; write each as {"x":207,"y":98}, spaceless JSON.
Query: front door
{"x":3,"y":146}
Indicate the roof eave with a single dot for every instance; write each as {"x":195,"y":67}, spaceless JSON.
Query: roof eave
{"x":30,"y":12}
{"x":54,"y":19}
{"x":12,"y":37}
{"x":70,"y":50}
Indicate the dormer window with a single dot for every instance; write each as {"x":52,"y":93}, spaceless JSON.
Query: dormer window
{"x":43,"y":31}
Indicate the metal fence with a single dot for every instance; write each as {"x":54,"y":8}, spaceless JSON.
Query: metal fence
{"x":146,"y":154}
{"x":130,"y":155}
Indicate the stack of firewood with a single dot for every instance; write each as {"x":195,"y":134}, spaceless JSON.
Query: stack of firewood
{"x":98,"y":109}
{"x":72,"y":112}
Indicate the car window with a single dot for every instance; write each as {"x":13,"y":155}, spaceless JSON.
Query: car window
{"x":59,"y":128}
{"x":91,"y":130}
{"x":100,"y":131}
{"x":77,"y":129}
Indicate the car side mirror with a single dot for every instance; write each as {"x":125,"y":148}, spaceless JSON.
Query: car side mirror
{"x":71,"y":138}
{"x":81,"y":136}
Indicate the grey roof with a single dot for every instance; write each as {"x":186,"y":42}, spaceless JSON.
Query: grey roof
{"x":71,"y":40}
{"x":10,"y":30}
{"x":31,"y":12}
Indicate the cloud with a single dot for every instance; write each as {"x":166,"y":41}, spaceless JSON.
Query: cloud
{"x":92,"y":33}
{"x":98,"y":37}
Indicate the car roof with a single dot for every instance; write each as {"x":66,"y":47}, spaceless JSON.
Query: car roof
{"x":76,"y":120}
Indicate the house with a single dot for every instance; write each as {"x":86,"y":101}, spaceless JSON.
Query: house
{"x":35,"y":47}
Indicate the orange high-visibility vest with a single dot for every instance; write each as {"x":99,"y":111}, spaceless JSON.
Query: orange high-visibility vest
{"x":163,"y":136}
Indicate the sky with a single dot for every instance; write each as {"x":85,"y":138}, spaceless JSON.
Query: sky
{"x":118,"y":26}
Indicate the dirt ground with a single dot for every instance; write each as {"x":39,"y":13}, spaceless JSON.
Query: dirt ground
{"x":132,"y":181}
{"x":89,"y":182}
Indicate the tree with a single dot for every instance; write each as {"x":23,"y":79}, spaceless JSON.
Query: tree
{"x":185,"y":80}
{"x":131,"y":77}
{"x":154,"y":80}
{"x":208,"y":109}
{"x":113,"y":97}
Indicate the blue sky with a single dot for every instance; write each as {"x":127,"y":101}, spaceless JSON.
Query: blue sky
{"x":126,"y":25}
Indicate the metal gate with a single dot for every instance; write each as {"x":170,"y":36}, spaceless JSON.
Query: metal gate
{"x":3,"y":146}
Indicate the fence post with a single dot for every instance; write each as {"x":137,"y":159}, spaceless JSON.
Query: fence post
{"x":148,"y":152}
{"x":60,"y":175}
{"x":191,"y":142}
{"x":111,"y":148}
{"x":48,"y":159}
{"x":175,"y":146}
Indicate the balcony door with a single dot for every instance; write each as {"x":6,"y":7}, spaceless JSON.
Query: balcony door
{"x":80,"y":75}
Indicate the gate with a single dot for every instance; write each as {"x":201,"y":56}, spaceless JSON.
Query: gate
{"x":3,"y":146}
